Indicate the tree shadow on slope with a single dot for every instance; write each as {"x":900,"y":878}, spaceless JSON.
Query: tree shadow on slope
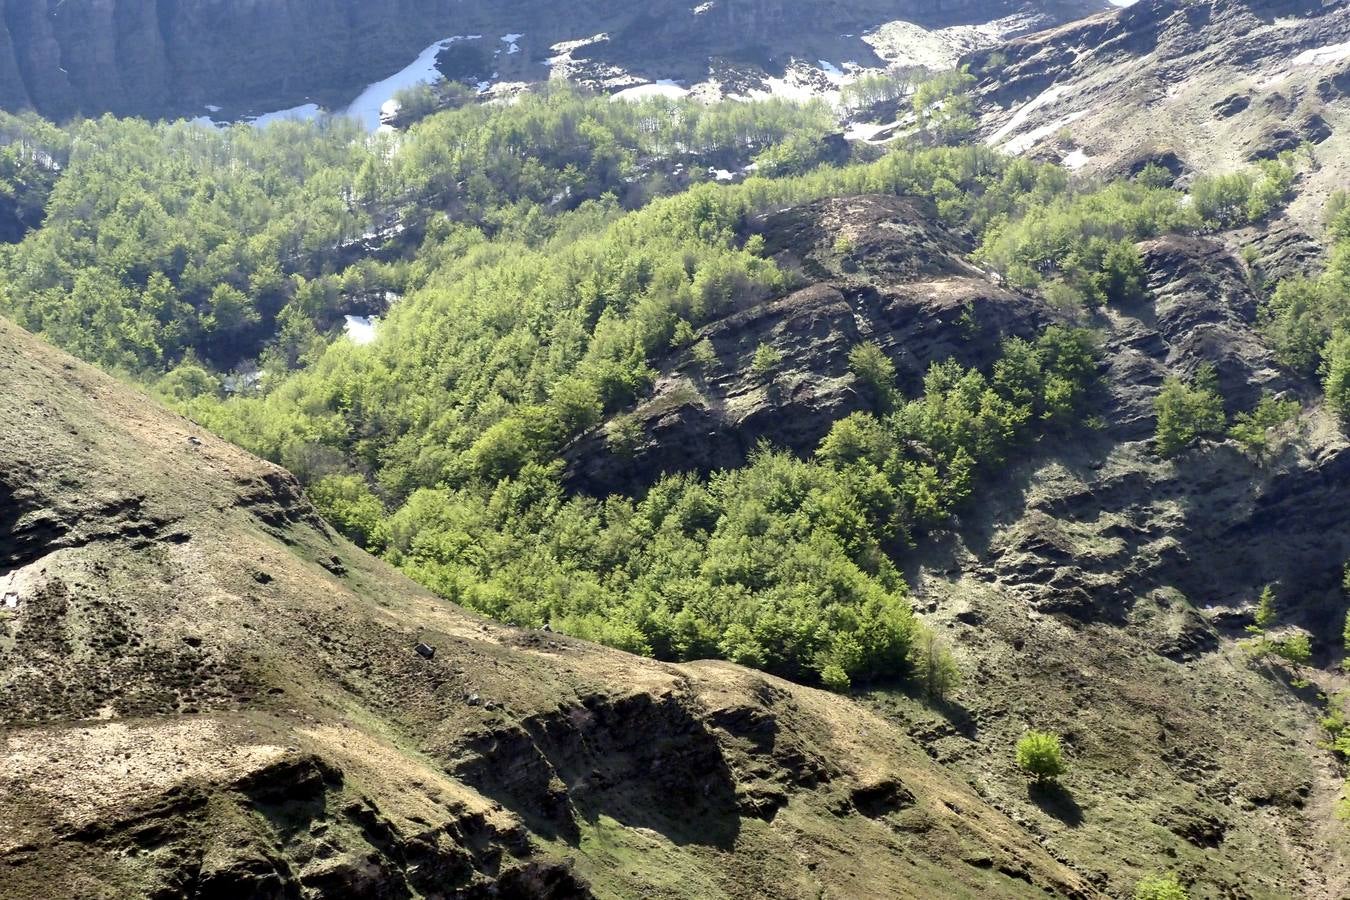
{"x":1053,"y":799}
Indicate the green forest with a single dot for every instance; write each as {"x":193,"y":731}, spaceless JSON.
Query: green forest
{"x":529,"y":263}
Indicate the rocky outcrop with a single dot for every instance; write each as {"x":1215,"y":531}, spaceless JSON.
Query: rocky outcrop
{"x":888,"y":274}
{"x":1224,"y":83}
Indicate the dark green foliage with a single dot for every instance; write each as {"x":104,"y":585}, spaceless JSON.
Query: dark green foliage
{"x":1187,"y":412}
{"x":935,"y":670}
{"x":1039,"y":755}
{"x":1336,"y":373}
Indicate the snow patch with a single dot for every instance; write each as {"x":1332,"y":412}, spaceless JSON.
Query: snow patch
{"x":902,"y":43}
{"x":1076,"y":159}
{"x":512,"y":42}
{"x":874,"y":133}
{"x":1047,"y":97}
{"x":360,"y":329}
{"x":832,"y":72}
{"x":1322,"y":56}
{"x":1022,"y":143}
{"x":373,"y":102}
{"x":302,"y":113}
{"x":663,"y":88}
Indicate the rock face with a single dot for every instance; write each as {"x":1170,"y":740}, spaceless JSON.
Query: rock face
{"x":173,"y":57}
{"x":1224,"y":83}
{"x":886,"y":274}
{"x":205,"y":693}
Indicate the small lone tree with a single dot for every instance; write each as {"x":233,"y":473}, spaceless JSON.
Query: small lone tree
{"x":1265,"y":611}
{"x":934,"y":665}
{"x":1040,"y":756}
{"x":1188,"y":411}
{"x":1345,"y":629}
{"x":767,"y":358}
{"x":1160,"y":887}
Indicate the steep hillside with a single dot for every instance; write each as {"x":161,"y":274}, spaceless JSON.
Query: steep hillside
{"x":1196,"y":86}
{"x":205,"y":693}
{"x":175,"y":57}
{"x":1092,"y":586}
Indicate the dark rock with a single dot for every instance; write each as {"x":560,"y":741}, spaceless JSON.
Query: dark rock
{"x":882,"y":797}
{"x":425,"y":650}
{"x":1232,"y":105}
{"x":1276,"y":139}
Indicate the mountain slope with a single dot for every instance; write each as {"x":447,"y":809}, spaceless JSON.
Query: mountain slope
{"x":1092,"y":587}
{"x":1198,"y":86}
{"x":206,"y":693}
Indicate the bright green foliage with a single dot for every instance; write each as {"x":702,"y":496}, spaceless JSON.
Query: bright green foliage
{"x":705,"y":354}
{"x":1239,"y":198}
{"x":782,"y":564}
{"x":1086,"y":241}
{"x":944,"y":106}
{"x":1304,"y":314}
{"x":795,"y":155}
{"x":931,"y":448}
{"x":774,"y":565}
{"x":767,"y":358}
{"x":551,"y":276}
{"x":1252,"y":429}
{"x":1187,"y":412}
{"x":874,"y":89}
{"x":874,"y":369}
{"x":348,"y":504}
{"x":1295,"y":649}
{"x":1337,"y":723}
{"x":1160,"y":887}
{"x":169,"y":237}
{"x":1040,"y":756}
